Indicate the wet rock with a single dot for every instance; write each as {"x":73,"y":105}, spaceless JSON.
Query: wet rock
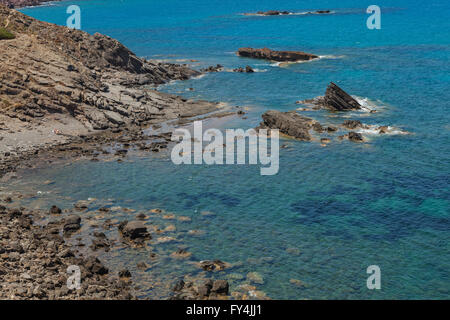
{"x":352,"y":124}
{"x":355,"y":137}
{"x":81,"y":205}
{"x":247,"y":69}
{"x":72,"y":224}
{"x":216,"y":68}
{"x":213,"y":265}
{"x":281,"y":56}
{"x":55,"y":210}
{"x":134,"y":230}
{"x":125,"y":273}
{"x":94,"y":266}
{"x":337,"y":99}
{"x":383,"y":129}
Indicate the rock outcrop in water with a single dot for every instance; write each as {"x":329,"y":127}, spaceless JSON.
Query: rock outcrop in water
{"x":339,"y":100}
{"x":280,"y":56}
{"x":289,"y":123}
{"x":335,"y":99}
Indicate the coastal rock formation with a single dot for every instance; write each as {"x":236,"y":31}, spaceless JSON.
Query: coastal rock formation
{"x":281,"y":56}
{"x":289,"y":123}
{"x":56,"y":83}
{"x":216,"y":68}
{"x":335,"y":99}
{"x":352,"y":124}
{"x":247,"y":69}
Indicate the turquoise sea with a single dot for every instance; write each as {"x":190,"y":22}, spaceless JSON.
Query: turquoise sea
{"x":331,"y":211}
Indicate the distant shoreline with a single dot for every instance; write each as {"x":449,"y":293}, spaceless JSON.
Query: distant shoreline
{"x":20,"y":4}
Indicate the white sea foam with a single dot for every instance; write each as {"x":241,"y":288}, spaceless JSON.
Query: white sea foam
{"x":375,"y":130}
{"x":368,"y":105}
{"x":287,"y":63}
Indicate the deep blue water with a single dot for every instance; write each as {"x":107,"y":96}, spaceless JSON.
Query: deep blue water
{"x":345,"y":206}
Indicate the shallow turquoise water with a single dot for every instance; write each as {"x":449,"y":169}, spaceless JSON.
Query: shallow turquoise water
{"x":344,"y":207}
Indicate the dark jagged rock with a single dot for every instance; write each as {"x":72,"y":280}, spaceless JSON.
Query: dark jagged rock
{"x":247,"y":69}
{"x":72,"y":224}
{"x":289,"y":123}
{"x":352,"y":124}
{"x":94,"y":266}
{"x":55,"y":210}
{"x":281,"y":56}
{"x":125,"y":273}
{"x":355,"y":137}
{"x":215,"y":265}
{"x":216,"y":68}
{"x":337,"y":99}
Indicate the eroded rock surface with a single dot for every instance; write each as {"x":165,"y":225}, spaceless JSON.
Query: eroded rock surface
{"x":56,"y":83}
{"x":281,"y":56}
{"x":289,"y":123}
{"x":335,"y":99}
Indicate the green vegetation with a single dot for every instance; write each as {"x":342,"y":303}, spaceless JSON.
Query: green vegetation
{"x":5,"y":34}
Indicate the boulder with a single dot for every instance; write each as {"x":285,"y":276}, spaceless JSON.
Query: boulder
{"x":134,"y":230}
{"x":355,"y":137}
{"x":289,"y":123}
{"x":281,"y":56}
{"x":352,"y":124}
{"x":55,"y":210}
{"x":72,"y":223}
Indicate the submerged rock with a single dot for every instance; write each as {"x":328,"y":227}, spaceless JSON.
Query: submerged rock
{"x":281,"y":56}
{"x":215,"y":265}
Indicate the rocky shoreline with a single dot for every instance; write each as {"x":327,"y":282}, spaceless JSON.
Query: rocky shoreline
{"x":61,"y":87}
{"x":65,"y":94}
{"x":38,"y":248}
